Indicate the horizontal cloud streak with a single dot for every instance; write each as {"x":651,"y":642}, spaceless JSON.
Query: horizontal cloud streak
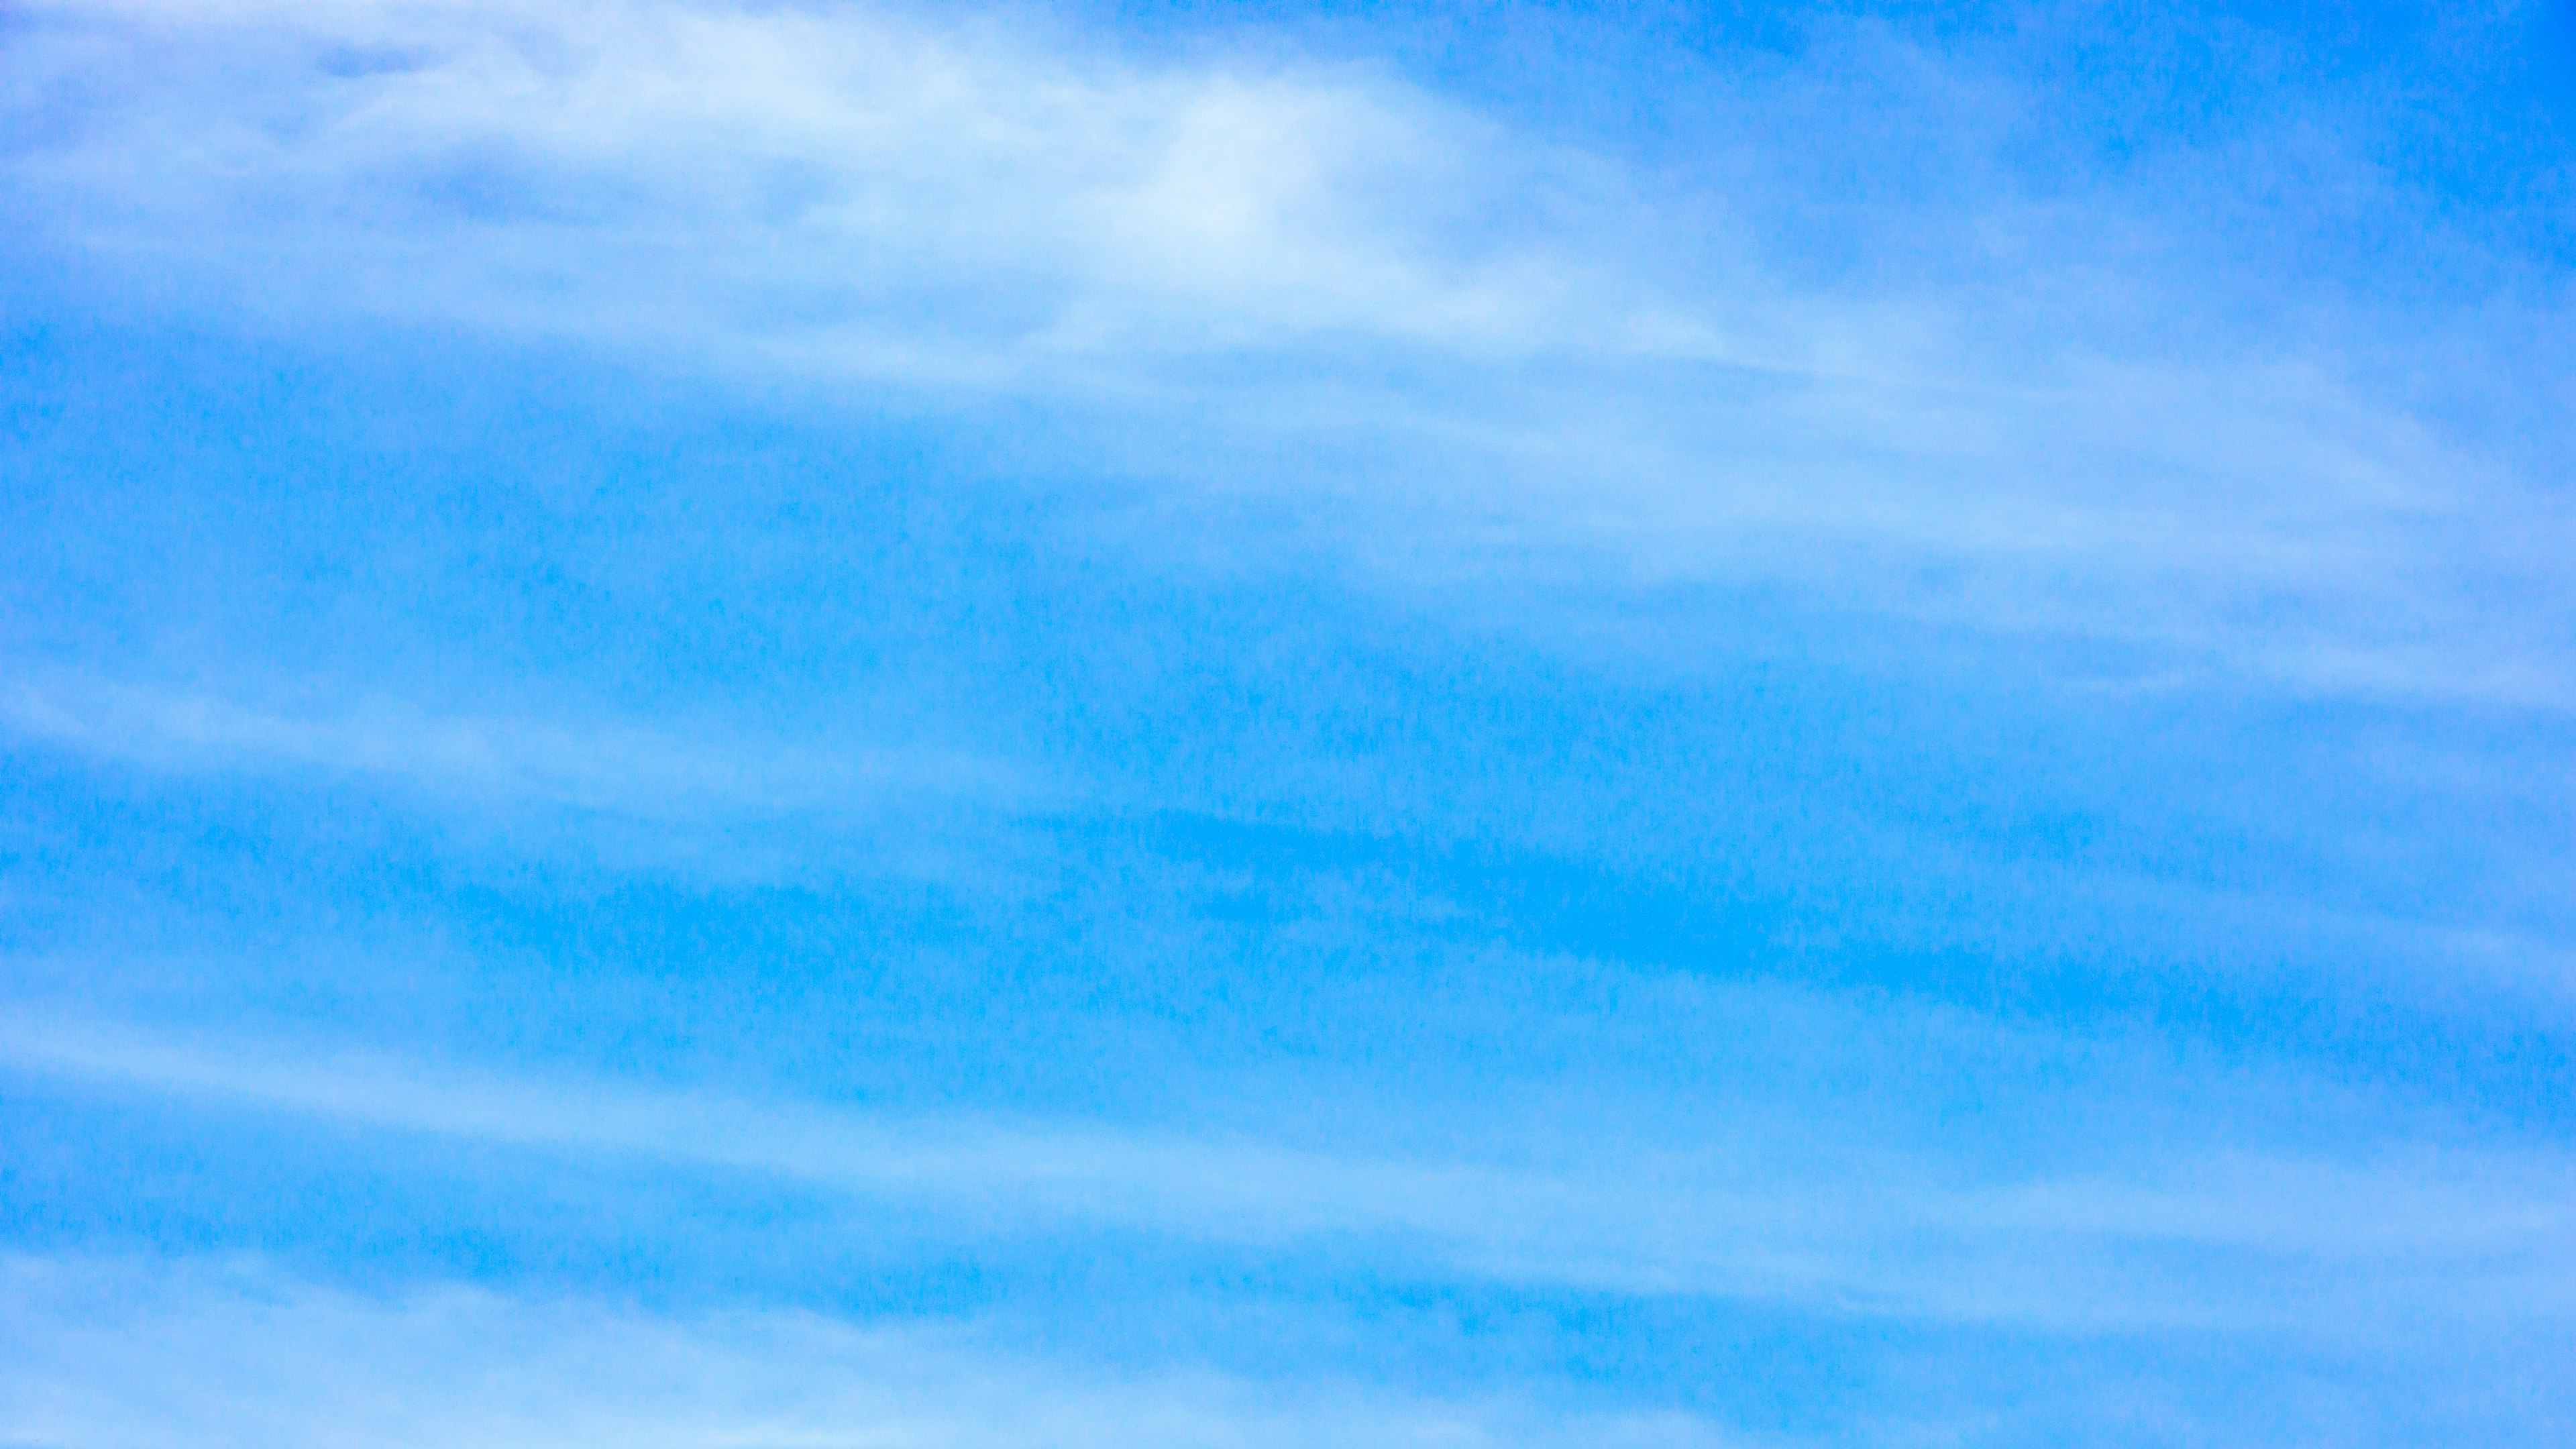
{"x":616,"y":767}
{"x":861,"y":191}
{"x":1232,"y":259}
{"x":162,"y":1354}
{"x":2238,"y":1242}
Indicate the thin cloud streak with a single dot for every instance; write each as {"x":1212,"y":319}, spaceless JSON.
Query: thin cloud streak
{"x":859,"y":189}
{"x":2237,"y":1242}
{"x":148,"y":1355}
{"x":1487,"y":323}
{"x":615,"y":767}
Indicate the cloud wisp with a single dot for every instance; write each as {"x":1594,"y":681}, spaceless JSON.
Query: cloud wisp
{"x":1488,"y":331}
{"x":490,"y":762}
{"x":163,"y":1354}
{"x":856,"y":191}
{"x":2235,"y":1242}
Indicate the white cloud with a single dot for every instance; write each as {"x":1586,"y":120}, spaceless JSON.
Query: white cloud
{"x":2240,"y":1241}
{"x":614,"y":766}
{"x":144,"y":1355}
{"x":857,"y":191}
{"x":1474,"y":334}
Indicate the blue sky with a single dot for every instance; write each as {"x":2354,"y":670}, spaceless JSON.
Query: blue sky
{"x":1275,"y":726}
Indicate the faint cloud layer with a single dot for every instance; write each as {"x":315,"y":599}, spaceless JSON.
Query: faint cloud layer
{"x":615,"y":767}
{"x":2241,"y":1242}
{"x":241,"y":1356}
{"x":1501,"y":347}
{"x":846,"y":190}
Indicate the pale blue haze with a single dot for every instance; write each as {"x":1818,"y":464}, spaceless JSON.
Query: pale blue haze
{"x":1262,"y":725}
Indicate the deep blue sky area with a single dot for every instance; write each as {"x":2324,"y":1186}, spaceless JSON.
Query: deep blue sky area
{"x":1266,"y":725}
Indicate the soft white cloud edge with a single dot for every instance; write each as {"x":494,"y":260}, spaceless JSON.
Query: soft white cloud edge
{"x":610,"y":765}
{"x":802,"y":182}
{"x":2238,"y":1241}
{"x":944,"y":206}
{"x":145,"y":1354}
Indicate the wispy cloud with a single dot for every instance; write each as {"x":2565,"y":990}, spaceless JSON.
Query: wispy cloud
{"x":1479,"y":325}
{"x":158,"y":1354}
{"x":854,"y":190}
{"x":2236,"y":1241}
{"x":612,"y":766}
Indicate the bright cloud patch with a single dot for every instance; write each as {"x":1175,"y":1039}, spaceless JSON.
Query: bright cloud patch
{"x":1474,"y":321}
{"x":848,"y":191}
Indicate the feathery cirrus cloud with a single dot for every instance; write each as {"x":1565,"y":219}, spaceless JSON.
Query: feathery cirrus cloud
{"x":2051,"y":427}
